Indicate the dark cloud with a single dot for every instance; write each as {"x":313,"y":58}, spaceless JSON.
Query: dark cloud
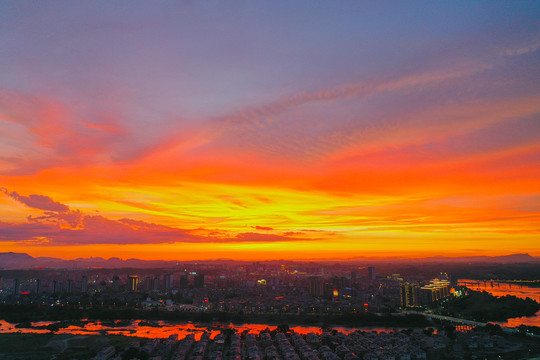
{"x":40,"y":202}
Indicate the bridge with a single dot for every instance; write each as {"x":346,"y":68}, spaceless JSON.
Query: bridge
{"x":465,"y":325}
{"x":460,"y":324}
{"x":497,"y":283}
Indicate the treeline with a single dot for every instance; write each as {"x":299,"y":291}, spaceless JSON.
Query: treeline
{"x":32,"y":313}
{"x":482,"y":306}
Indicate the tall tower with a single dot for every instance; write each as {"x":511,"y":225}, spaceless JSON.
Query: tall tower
{"x":15,"y":286}
{"x":84,"y":284}
{"x":133,"y":282}
{"x":169,"y":281}
{"x":354,"y":276}
{"x":316,"y":286}
{"x":116,"y":283}
{"x":410,"y":295}
{"x":372,"y":276}
{"x":184,"y":281}
{"x":198,"y":282}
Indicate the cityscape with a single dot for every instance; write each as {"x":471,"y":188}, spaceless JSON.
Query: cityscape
{"x":276,"y":310}
{"x":269,"y":180}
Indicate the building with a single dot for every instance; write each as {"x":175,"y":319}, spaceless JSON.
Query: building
{"x":84,"y":284}
{"x":372,"y":276}
{"x":116,"y":283}
{"x":133,"y":282}
{"x":168,"y":280}
{"x":436,"y":290}
{"x":15,"y":286}
{"x":151,"y":283}
{"x":198,"y":281}
{"x":184,"y":281}
{"x":410,"y":295}
{"x":316,"y":286}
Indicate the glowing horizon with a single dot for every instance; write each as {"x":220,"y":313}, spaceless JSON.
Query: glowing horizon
{"x":269,"y":131}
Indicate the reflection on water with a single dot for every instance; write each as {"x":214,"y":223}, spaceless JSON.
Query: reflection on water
{"x":161,"y":329}
{"x":502,"y":289}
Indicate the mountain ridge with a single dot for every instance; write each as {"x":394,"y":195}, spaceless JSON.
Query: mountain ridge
{"x":12,"y":260}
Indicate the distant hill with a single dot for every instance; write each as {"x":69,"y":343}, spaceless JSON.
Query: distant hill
{"x":504,"y":259}
{"x":11,"y":260}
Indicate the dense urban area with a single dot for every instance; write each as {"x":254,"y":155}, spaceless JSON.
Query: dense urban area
{"x":423,"y":314}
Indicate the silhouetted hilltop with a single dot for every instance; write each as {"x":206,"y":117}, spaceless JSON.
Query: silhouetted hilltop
{"x":11,"y":260}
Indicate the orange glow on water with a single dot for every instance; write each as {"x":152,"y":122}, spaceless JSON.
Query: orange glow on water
{"x":163,"y":329}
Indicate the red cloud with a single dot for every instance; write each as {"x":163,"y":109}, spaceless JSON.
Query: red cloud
{"x":60,"y":226}
{"x":40,"y":202}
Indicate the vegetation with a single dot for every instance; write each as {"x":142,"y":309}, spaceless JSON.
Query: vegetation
{"x":482,"y":306}
{"x":30,"y":312}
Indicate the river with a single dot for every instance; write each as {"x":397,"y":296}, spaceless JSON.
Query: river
{"x":161,"y":329}
{"x":502,"y":289}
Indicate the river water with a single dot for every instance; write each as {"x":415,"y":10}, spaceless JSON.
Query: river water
{"x":502,"y":289}
{"x":161,"y":329}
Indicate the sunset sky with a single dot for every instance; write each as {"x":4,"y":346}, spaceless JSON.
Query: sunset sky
{"x":269,"y":129}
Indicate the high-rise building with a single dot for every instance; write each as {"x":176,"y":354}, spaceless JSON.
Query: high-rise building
{"x":184,"y":281}
{"x":316,"y":286}
{"x":54,"y":284}
{"x":354,"y":276}
{"x":198,"y":281}
{"x":116,"y":283}
{"x":133,"y":282}
{"x":436,"y":290}
{"x":410,"y":295}
{"x":168,"y":281}
{"x":151,"y":283}
{"x":372,"y":276}
{"x":37,"y":286}
{"x":15,"y":286}
{"x":84,"y":284}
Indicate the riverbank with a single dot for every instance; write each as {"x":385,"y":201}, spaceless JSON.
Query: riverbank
{"x":34,"y":313}
{"x":222,"y":343}
{"x":503,"y":289}
{"x":485,"y":307}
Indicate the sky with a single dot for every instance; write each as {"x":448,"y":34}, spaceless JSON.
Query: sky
{"x":252,"y":130}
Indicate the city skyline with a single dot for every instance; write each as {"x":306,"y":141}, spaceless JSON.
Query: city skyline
{"x":257,"y":131}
